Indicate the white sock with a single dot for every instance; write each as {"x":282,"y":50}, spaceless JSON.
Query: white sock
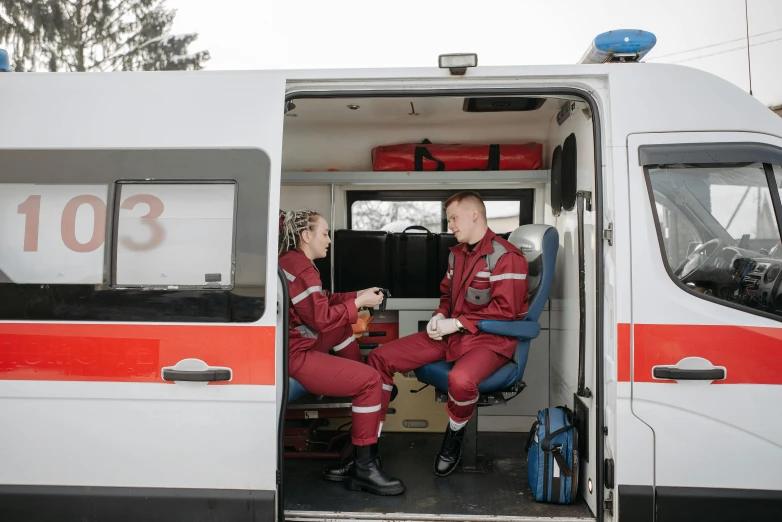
{"x":456,"y":426}
{"x":380,"y":429}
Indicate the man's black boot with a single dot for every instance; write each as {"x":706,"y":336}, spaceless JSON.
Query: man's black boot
{"x":366,"y":474}
{"x":341,"y":472}
{"x":450,"y":453}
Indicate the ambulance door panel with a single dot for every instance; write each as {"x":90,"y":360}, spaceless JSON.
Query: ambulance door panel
{"x":705,"y":338}
{"x":137,"y":302}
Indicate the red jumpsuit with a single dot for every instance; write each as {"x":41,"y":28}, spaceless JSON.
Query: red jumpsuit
{"x":489,"y":282}
{"x":321,"y":322}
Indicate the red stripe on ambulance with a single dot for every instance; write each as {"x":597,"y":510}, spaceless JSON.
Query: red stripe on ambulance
{"x":751,"y":355}
{"x":132,"y":353}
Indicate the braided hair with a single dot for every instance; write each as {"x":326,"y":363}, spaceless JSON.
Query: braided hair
{"x":292,"y":224}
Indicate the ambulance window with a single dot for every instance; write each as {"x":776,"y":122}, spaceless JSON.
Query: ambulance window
{"x":52,"y":233}
{"x":86,"y":235}
{"x":395,"y":216}
{"x":393,"y":211}
{"x":678,"y":233}
{"x":175,"y":235}
{"x":719,"y":231}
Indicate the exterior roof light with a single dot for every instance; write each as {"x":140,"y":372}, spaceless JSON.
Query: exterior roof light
{"x":621,"y":45}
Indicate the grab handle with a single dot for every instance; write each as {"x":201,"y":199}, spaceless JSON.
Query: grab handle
{"x":195,"y":370}
{"x":196,"y":375}
{"x":679,"y":374}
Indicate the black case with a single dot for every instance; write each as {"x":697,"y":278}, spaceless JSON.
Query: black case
{"x":363,"y":260}
{"x":414,"y":262}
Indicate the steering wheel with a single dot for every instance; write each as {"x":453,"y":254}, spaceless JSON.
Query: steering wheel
{"x":698,"y":258}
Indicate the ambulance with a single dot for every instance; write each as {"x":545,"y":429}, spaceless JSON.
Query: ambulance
{"x":143,"y":317}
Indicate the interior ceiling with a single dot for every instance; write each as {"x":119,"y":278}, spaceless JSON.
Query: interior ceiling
{"x":434,"y":110}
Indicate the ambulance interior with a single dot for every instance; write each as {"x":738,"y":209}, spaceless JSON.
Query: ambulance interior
{"x":327,"y":166}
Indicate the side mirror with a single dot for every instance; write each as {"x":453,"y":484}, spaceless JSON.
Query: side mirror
{"x":744,"y":243}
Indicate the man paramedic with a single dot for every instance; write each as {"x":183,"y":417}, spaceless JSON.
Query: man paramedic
{"x":486,"y":279}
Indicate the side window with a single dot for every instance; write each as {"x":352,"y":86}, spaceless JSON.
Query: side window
{"x":52,"y":234}
{"x":719,"y":230}
{"x":86,"y":236}
{"x":393,"y":211}
{"x":395,"y":216}
{"x":503,"y":216}
{"x":678,"y":234}
{"x":175,"y":235}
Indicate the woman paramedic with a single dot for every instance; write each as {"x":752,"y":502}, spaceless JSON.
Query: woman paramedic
{"x":324,"y":355}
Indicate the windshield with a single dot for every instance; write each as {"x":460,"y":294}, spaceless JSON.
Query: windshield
{"x":731,"y":203}
{"x":719,"y":230}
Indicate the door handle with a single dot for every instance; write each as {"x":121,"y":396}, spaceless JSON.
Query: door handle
{"x":218,"y":374}
{"x":195,"y":370}
{"x":681,"y":374}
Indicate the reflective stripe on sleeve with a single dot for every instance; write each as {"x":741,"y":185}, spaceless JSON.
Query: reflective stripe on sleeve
{"x":343,"y":344}
{"x":483,"y":274}
{"x":388,"y":387}
{"x":508,"y":276}
{"x":290,"y":277}
{"x":309,"y":291}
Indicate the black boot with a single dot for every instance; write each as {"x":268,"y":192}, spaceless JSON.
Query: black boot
{"x":450,"y":453}
{"x":341,"y":472}
{"x":366,"y":474}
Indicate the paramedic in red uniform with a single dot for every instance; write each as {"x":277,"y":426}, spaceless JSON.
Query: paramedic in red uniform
{"x":486,"y":279}
{"x":324,"y":355}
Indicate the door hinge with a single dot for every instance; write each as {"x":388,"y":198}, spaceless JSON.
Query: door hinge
{"x":608,"y":504}
{"x":608,"y":234}
{"x":279,"y":478}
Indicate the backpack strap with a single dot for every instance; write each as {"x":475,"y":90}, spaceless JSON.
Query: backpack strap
{"x":531,"y":436}
{"x":545,"y":444}
{"x":561,"y":462}
{"x":556,"y":451}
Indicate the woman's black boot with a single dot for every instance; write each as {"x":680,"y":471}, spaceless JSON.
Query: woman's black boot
{"x":366,"y":474}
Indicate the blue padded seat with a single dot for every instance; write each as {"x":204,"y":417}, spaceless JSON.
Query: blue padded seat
{"x":540,"y":244}
{"x":436,"y":374}
{"x":295,"y":390}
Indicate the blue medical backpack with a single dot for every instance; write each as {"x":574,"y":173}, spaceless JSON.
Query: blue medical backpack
{"x":552,"y":464}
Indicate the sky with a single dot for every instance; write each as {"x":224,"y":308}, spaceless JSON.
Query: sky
{"x":268,"y":34}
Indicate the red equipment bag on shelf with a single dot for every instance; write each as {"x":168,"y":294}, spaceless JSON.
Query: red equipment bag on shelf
{"x":428,"y":156}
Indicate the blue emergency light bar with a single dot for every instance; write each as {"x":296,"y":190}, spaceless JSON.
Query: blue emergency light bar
{"x":5,"y":65}
{"x":621,"y":45}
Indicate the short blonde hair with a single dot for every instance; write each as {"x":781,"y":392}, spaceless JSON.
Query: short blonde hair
{"x":470,"y":196}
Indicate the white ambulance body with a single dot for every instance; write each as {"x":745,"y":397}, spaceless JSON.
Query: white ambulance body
{"x":138,"y":246}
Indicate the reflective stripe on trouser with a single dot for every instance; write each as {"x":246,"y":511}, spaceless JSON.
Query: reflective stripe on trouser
{"x":324,"y":374}
{"x":341,"y":341}
{"x":411,"y":352}
{"x":469,"y":371}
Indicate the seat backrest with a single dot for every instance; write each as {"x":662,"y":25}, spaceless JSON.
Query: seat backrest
{"x":540,"y":244}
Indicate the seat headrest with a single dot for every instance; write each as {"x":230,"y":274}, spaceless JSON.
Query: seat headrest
{"x":539,"y":243}
{"x":529,"y":239}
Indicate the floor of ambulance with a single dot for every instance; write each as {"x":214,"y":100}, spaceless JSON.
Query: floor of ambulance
{"x":498,"y":488}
